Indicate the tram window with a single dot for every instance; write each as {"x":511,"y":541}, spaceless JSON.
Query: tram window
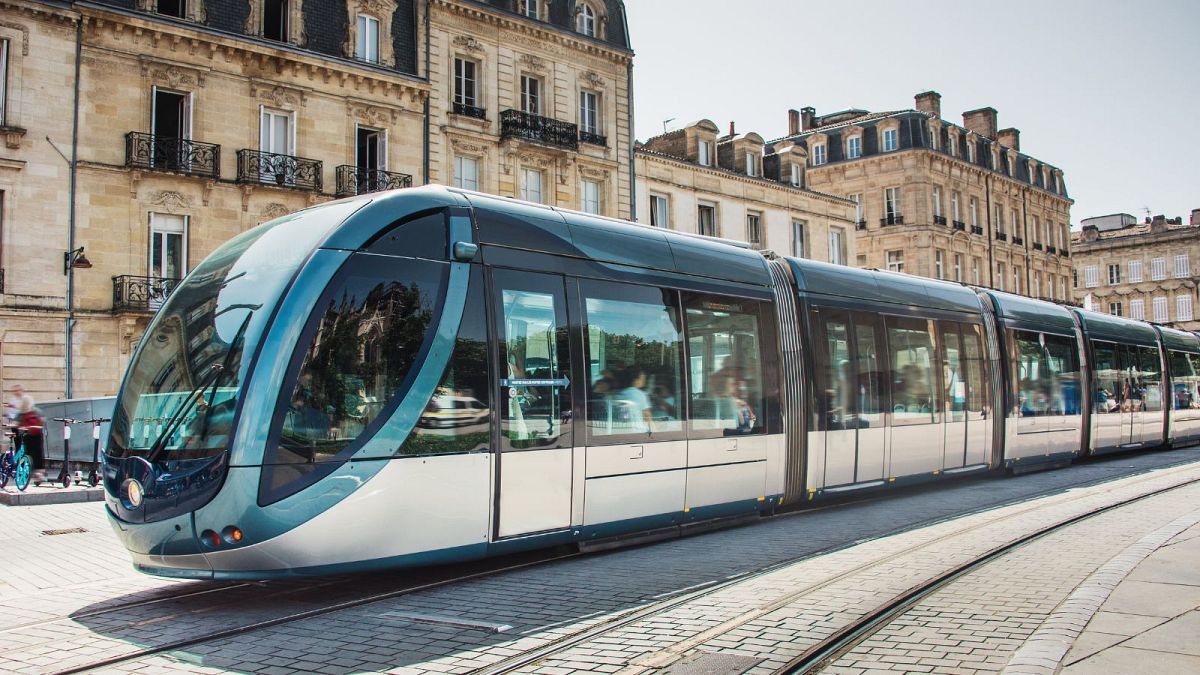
{"x":835,"y":373}
{"x":1194,"y":382}
{"x":954,"y":376}
{"x":423,"y":236}
{"x":370,"y":330}
{"x":978,"y":391}
{"x":1183,"y":381}
{"x":725,"y":366}
{"x":456,"y":418}
{"x":910,"y":342}
{"x":1109,"y":390}
{"x":1149,"y":382}
{"x":634,"y":356}
{"x":1032,"y":376}
{"x":871,"y":372}
{"x":1063,"y":370}
{"x":532,"y":345}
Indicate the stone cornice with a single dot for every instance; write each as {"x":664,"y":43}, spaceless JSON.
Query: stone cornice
{"x":54,"y":11}
{"x":269,"y":57}
{"x":537,"y":29}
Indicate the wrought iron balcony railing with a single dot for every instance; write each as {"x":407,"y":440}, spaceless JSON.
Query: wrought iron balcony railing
{"x":1037,"y":245}
{"x":1065,"y":253}
{"x":1001,"y":236}
{"x":356,"y":180}
{"x":141,"y":294}
{"x":939,"y":220}
{"x":1052,"y":250}
{"x":860,"y":225}
{"x":960,"y":226}
{"x":976,"y":229}
{"x":268,"y":168}
{"x":1018,"y":240}
{"x":470,"y":111}
{"x":176,"y":155}
{"x":517,"y":124}
{"x":892,"y":219}
{"x":593,"y":138}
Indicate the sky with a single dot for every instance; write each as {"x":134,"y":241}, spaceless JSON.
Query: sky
{"x":1106,"y":90}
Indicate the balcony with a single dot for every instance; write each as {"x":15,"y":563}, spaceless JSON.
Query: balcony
{"x":860,"y":225}
{"x":1065,"y":253}
{"x":517,"y":124}
{"x":356,"y":180}
{"x":893,"y":219}
{"x":593,"y":138}
{"x":977,"y":229}
{"x":268,"y":168}
{"x":1051,"y":250}
{"x":470,"y":111}
{"x":1000,"y":236}
{"x":939,"y":220}
{"x":141,"y":294}
{"x":960,"y":226}
{"x":173,"y":155}
{"x":1037,"y":245}
{"x":1018,"y":241}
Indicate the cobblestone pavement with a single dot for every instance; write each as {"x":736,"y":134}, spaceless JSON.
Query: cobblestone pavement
{"x":450,"y":629}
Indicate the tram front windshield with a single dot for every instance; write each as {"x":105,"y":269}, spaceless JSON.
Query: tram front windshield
{"x":181,"y":392}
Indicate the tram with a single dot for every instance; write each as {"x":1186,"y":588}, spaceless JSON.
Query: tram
{"x":432,"y":375}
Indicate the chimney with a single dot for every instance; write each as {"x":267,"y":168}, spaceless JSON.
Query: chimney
{"x":930,"y":102}
{"x":981,"y":121}
{"x":1196,"y":217}
{"x":808,"y":118}
{"x":1159,"y":224}
{"x":1090,"y":233}
{"x":732,"y":129}
{"x":793,"y":122}
{"x":1009,"y":138}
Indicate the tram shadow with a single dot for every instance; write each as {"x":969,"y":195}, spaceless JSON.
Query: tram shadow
{"x":460,"y":617}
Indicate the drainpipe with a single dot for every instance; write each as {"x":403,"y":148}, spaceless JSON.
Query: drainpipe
{"x":70,"y":322}
{"x":1028,"y":242}
{"x":632,"y":144}
{"x":425,"y":108}
{"x":991,"y":231}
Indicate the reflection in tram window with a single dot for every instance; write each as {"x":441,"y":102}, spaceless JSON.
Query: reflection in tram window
{"x":456,"y":419}
{"x":634,"y":350}
{"x":978,"y":387}
{"x":1149,"y":384}
{"x":871,"y":374}
{"x":724,"y":351}
{"x":953,"y":372}
{"x":1109,"y":387}
{"x":1047,"y":377}
{"x":1063,"y":363}
{"x":536,"y":399}
{"x":835,"y":368}
{"x":1185,"y":380}
{"x":362,"y":348}
{"x":911,"y":344}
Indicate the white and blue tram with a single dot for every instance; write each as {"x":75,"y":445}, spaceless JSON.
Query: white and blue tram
{"x":433,"y":375}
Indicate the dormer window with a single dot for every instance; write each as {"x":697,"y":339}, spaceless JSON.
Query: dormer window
{"x":533,"y":8}
{"x":891,"y":140}
{"x":275,"y":20}
{"x":797,"y":175}
{"x":175,"y":8}
{"x":703,"y":153}
{"x":952,"y":145}
{"x":1008,"y":160}
{"x":751,"y":164}
{"x":367,"y":48}
{"x":970,"y":151}
{"x":818,"y":154}
{"x":854,"y":147}
{"x":587,"y":20}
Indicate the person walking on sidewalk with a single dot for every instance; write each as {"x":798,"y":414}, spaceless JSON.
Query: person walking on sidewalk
{"x":22,"y":412}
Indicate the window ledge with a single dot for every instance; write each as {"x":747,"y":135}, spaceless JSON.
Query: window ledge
{"x":12,"y":136}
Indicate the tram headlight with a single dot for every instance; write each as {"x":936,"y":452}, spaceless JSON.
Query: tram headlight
{"x":133,"y":492}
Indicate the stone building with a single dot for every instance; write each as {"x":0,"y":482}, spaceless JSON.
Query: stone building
{"x":1138,"y":270}
{"x":731,"y":186}
{"x":198,"y":119}
{"x":942,"y":200}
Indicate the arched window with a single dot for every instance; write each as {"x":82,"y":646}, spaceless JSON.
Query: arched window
{"x":587,"y":20}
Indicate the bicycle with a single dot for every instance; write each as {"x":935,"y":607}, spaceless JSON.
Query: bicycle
{"x":15,"y":464}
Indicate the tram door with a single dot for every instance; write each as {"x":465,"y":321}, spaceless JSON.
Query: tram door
{"x":534,"y":462}
{"x":850,"y":398}
{"x":1109,"y":408}
{"x":964,"y":377}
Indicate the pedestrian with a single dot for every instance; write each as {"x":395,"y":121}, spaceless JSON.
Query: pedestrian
{"x":22,"y":411}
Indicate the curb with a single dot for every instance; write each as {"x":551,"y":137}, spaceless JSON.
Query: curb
{"x":58,"y":496}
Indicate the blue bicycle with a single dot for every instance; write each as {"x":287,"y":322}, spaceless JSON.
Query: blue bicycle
{"x":15,"y":463}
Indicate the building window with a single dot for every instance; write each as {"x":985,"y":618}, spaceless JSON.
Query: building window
{"x":1137,"y":309}
{"x":891,"y":140}
{"x":1008,"y":163}
{"x":895,"y":261}
{"x":3,"y":82}
{"x":1037,"y":286}
{"x":970,"y":151}
{"x":587,"y":20}
{"x":590,"y":197}
{"x":1183,"y":308}
{"x":1114,"y":308}
{"x":837,"y":246}
{"x":973,"y":211}
{"x":466,"y":83}
{"x":275,"y":20}
{"x":1016,"y":280}
{"x":754,"y":229}
{"x":1000,"y":274}
{"x":1037,"y":230}
{"x":938,"y":271}
{"x":818,"y":154}
{"x":1160,"y":310}
{"x":1074,"y":278}
{"x":175,"y":8}
{"x":751,"y":164}
{"x":533,"y":8}
{"x":1062,"y":288}
{"x":1158,"y":269}
{"x":1057,"y":184}
{"x":531,"y":185}
{"x":952,"y":145}
{"x":706,"y":220}
{"x":975,"y":271}
{"x":798,"y":238}
{"x":854,"y":147}
{"x":955,"y":214}
{"x":999,"y":219}
{"x":1135,"y":271}
{"x":859,"y":215}
{"x":958,"y":261}
{"x":1091,"y":276}
{"x":937,"y":202}
{"x":933,"y":135}
{"x":531,"y":95}
{"x":589,"y":116}
{"x":466,"y":173}
{"x":1114,"y":275}
{"x":703,"y":154}
{"x":660,"y":211}
{"x":797,"y":175}
{"x":368,"y":39}
{"x":1012,"y":221}
{"x":275,"y":133}
{"x":168,"y":246}
{"x":891,"y":204}
{"x":1182,"y":267}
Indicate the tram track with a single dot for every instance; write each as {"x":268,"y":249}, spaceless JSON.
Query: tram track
{"x":662,"y":603}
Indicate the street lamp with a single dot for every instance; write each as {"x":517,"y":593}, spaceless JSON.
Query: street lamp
{"x":75,"y":260}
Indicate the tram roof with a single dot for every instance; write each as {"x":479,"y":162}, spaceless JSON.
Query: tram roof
{"x":879,"y":286}
{"x":1179,"y":339}
{"x":1032,"y":314}
{"x":1116,"y":329}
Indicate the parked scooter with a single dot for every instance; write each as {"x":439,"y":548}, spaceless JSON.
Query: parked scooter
{"x":64,"y":476}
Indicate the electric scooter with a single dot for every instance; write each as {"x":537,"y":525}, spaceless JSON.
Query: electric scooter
{"x":94,"y":475}
{"x":64,"y":476}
